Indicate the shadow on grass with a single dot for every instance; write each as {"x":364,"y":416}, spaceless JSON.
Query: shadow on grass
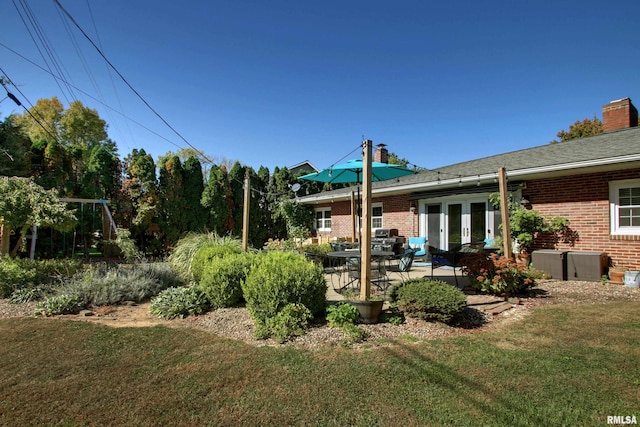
{"x":475,"y":403}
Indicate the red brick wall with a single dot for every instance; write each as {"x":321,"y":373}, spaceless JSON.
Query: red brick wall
{"x":396,"y":214}
{"x":584,"y":200}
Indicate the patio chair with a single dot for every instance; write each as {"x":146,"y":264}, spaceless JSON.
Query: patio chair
{"x":404,"y":264}
{"x":419,"y":245}
{"x":455,"y":257}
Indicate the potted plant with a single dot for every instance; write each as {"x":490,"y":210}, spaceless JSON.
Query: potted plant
{"x":527,"y":225}
{"x":616,"y":274}
{"x":369,"y":308}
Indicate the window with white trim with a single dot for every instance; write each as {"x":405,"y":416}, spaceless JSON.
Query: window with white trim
{"x":376,"y":216}
{"x":624,"y":199}
{"x":323,"y":219}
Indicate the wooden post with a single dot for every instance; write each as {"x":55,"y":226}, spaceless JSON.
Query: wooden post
{"x":245,"y":214}
{"x":504,"y":210}
{"x":365,"y":244}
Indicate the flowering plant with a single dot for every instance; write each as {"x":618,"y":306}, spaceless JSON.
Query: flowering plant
{"x":497,"y":274}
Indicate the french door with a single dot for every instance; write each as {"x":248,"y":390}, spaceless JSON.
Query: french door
{"x":449,"y":223}
{"x":466,"y":222}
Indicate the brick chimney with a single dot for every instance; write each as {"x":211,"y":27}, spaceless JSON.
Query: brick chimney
{"x":381,"y":154}
{"x":619,"y":114}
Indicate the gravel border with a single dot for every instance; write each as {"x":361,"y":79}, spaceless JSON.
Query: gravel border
{"x":235,"y":323}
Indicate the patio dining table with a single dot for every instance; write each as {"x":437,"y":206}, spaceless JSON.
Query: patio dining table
{"x":345,"y":268}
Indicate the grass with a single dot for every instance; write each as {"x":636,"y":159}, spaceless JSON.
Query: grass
{"x":563,"y":365}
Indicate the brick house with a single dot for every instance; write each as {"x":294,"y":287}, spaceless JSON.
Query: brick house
{"x":593,"y":181}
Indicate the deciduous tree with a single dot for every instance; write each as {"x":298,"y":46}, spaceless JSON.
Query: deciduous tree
{"x":581,"y":129}
{"x":23,"y":204}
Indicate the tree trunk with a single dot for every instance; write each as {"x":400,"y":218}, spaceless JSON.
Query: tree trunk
{"x":5,"y":234}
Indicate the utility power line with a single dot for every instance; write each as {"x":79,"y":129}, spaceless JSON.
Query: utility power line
{"x":125,"y":80}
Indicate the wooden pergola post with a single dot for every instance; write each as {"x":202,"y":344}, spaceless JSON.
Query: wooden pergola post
{"x":504,"y":210}
{"x":365,"y":244}
{"x":245,"y":214}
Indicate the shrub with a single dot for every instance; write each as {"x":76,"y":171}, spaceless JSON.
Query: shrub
{"x":289,"y":322}
{"x":23,"y":295}
{"x":498,"y":275}
{"x":353,"y":334}
{"x":222,"y":279}
{"x":59,"y":304}
{"x":17,"y":273}
{"x":107,"y":286}
{"x":186,"y":248}
{"x":179,"y":302}
{"x":342,"y":313}
{"x":430,"y":300}
{"x":394,"y":317}
{"x":279,"y":278}
{"x":318,"y":249}
{"x":206,"y":255}
{"x":14,"y":276}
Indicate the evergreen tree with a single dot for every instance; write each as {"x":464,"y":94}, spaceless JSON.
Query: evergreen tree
{"x":196,"y":214}
{"x":236,"y":201}
{"x":172,"y":207}
{"x":214,"y":199}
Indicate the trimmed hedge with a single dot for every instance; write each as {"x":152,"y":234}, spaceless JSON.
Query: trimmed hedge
{"x":280,"y":278}
{"x":429,"y":299}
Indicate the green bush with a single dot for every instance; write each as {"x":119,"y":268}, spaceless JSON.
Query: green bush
{"x":429,"y":300}
{"x":342,"y":313}
{"x":14,"y":276}
{"x":318,"y":249}
{"x":222,"y":278}
{"x":17,"y":273}
{"x":22,"y":295}
{"x":353,"y":334}
{"x":59,"y":304}
{"x":498,"y":275}
{"x":289,"y":322}
{"x":208,"y":254}
{"x":179,"y":302}
{"x":279,"y":278}
{"x":181,"y":257}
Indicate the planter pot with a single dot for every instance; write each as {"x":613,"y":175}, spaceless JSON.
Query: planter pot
{"x":369,"y":310}
{"x":616,"y":277}
{"x":632,"y":279}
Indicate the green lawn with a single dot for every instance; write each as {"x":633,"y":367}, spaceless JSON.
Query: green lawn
{"x":563,"y":365}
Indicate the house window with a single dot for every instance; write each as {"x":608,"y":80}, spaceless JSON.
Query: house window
{"x":376,"y":216}
{"x":323,"y":219}
{"x":624,"y":199}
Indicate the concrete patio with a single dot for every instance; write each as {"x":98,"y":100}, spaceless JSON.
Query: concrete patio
{"x":485,"y":303}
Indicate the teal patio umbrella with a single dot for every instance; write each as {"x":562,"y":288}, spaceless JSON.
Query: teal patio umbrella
{"x":351,"y":172}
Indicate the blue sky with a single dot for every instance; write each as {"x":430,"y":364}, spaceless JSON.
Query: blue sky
{"x":276,"y":83}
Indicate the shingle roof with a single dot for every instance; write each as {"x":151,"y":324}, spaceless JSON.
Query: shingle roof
{"x":609,"y":145}
{"x":606,"y":148}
